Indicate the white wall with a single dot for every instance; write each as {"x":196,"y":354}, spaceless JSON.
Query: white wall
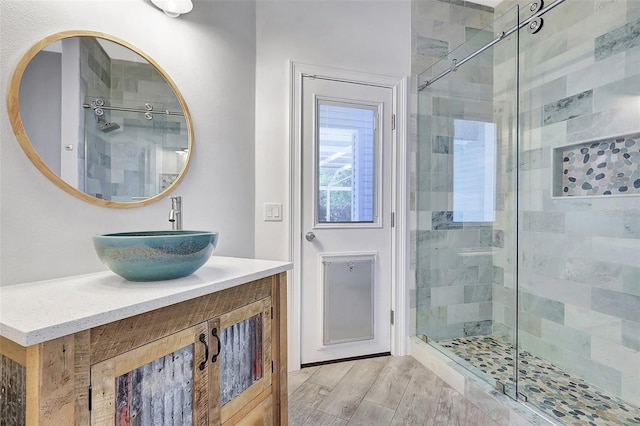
{"x":222,"y":56}
{"x":43,"y":93}
{"x":210,"y":54}
{"x":367,"y":36}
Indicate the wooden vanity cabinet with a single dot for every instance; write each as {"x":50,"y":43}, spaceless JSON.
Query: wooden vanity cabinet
{"x":219,"y":359}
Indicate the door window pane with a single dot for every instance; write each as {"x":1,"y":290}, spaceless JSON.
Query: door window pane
{"x":345,"y":163}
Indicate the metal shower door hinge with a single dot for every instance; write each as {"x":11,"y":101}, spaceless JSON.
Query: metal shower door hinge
{"x":393,"y":317}
{"x":500,"y":387}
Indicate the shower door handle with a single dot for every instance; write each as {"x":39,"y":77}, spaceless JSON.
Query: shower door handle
{"x":310,"y":236}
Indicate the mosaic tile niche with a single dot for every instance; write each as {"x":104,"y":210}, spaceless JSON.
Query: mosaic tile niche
{"x":598,"y":168}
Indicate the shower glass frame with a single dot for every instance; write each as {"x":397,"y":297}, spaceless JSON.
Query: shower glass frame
{"x":461,"y":264}
{"x":563,"y":243}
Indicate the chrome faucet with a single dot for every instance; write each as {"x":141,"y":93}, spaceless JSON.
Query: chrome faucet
{"x":175,"y":215}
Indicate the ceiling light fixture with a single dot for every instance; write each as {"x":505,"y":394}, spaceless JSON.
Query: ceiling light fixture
{"x":174,"y":8}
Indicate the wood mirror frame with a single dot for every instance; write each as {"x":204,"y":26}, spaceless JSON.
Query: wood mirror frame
{"x":13,"y":109}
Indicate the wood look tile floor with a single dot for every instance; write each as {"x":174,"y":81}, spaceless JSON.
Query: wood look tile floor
{"x":377,"y":392}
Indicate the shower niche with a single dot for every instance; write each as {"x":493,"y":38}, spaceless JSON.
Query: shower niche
{"x":604,"y":167}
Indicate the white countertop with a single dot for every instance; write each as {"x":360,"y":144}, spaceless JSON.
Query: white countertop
{"x":36,"y":312}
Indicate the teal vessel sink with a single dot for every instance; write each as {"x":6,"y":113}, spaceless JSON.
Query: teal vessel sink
{"x":155,"y":255}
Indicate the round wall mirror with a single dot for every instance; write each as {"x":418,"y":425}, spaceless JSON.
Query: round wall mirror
{"x":101,"y":119}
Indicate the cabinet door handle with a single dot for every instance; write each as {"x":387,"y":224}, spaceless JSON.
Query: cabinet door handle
{"x":214,"y":332}
{"x":203,"y":339}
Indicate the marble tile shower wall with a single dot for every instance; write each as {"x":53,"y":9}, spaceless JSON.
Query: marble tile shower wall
{"x":451,"y":263}
{"x":113,"y":164}
{"x":579,"y":276}
{"x":133,"y":84}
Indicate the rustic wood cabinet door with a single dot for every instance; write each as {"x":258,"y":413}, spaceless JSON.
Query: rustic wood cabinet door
{"x":240,"y":381}
{"x":164,"y":382}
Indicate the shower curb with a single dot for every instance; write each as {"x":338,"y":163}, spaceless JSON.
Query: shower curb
{"x":499,"y":407}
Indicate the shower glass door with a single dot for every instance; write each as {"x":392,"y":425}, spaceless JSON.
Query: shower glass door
{"x":466,"y":234}
{"x":579,"y":209}
{"x":130,"y":155}
{"x":545,"y":127}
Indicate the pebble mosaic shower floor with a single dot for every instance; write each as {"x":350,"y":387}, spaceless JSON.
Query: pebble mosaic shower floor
{"x":567,"y":398}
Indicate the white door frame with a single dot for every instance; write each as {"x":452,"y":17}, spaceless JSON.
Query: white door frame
{"x":400,"y":206}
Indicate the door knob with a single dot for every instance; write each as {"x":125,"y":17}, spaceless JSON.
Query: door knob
{"x":310,"y":236}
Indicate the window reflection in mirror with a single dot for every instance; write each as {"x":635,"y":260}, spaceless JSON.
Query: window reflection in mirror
{"x":474,"y":171}
{"x":104,"y":119}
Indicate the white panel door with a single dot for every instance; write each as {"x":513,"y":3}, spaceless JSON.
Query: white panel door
{"x":346,"y":219}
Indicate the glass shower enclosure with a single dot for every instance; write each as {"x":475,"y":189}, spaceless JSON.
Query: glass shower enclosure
{"x":528,"y":208}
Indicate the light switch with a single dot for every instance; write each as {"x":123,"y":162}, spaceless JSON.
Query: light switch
{"x":273,"y":212}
